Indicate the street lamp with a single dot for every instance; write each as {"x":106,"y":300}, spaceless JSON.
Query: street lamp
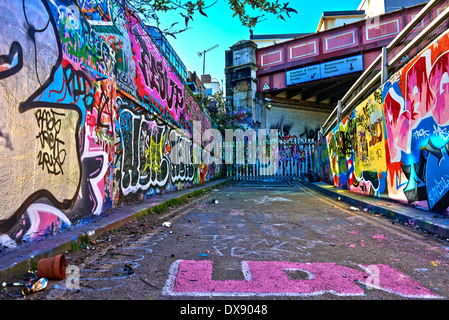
{"x":204,"y":63}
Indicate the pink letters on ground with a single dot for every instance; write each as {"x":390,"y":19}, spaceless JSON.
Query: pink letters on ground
{"x":270,"y":278}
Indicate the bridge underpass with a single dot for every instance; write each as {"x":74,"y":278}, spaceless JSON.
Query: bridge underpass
{"x":320,"y":95}
{"x":314,"y":72}
{"x":301,"y":81}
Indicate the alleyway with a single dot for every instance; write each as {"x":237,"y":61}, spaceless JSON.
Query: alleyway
{"x":278,"y":241}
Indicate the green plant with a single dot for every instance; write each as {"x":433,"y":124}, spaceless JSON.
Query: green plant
{"x":85,"y":238}
{"x":82,"y":241}
{"x":159,"y":208}
{"x":74,"y":246}
{"x":33,"y":264}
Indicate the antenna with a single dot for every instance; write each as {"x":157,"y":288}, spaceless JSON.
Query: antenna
{"x":203,"y":53}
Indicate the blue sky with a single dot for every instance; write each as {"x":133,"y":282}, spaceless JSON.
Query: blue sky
{"x":222,"y":29}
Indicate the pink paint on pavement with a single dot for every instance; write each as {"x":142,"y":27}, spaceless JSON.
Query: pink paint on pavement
{"x":379,"y":237}
{"x":235,"y":212}
{"x":270,"y":278}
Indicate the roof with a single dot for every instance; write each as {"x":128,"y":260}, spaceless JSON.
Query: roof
{"x":343,"y":13}
{"x":277,"y":36}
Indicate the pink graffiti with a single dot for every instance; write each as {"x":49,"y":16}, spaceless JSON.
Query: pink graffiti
{"x":439,"y":82}
{"x":45,"y":219}
{"x":419,"y":96}
{"x":397,"y":124}
{"x":154,"y":76}
{"x":426,"y":93}
{"x":196,"y":114}
{"x":270,"y":278}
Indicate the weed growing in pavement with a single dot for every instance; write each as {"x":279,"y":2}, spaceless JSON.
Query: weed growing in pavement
{"x":159,"y":208}
{"x":83,"y":241}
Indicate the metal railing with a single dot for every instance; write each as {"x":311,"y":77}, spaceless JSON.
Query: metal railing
{"x":377,"y":73}
{"x":292,"y":160}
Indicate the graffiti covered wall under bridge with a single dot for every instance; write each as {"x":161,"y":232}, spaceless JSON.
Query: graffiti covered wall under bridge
{"x":395,"y":143}
{"x":89,"y":110}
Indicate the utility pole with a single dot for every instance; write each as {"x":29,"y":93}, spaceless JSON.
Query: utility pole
{"x":204,"y":64}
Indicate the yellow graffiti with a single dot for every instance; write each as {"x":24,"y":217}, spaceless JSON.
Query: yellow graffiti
{"x":153,"y":155}
{"x":370,"y":141}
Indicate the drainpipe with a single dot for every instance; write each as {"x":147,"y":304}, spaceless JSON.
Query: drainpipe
{"x":339,"y":111}
{"x":384,"y":72}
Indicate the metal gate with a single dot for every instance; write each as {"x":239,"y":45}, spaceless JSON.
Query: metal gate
{"x":295,"y":158}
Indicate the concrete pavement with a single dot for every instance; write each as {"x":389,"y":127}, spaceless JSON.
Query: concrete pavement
{"x":16,"y":261}
{"x":427,"y":221}
{"x":261,"y":243}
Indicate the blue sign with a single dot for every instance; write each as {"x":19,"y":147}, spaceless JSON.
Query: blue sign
{"x":325,"y":70}
{"x":306,"y":74}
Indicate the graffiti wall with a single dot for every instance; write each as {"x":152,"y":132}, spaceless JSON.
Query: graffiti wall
{"x":356,"y":149}
{"x":90,"y":109}
{"x":302,"y":124}
{"x":395,"y":143}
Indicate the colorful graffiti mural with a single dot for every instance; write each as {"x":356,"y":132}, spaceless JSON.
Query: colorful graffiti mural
{"x":93,"y":122}
{"x":144,"y":145}
{"x":356,"y":149}
{"x":416,"y":114}
{"x":395,"y":144}
{"x":155,"y":77}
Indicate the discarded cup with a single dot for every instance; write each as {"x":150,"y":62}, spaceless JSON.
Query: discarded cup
{"x":166,"y":224}
{"x":31,"y":287}
{"x":355,"y":209}
{"x":215,"y":201}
